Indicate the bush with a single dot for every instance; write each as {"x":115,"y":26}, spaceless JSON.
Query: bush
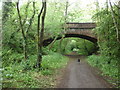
{"x":107,"y":65}
{"x":23,"y":74}
{"x":53,"y":61}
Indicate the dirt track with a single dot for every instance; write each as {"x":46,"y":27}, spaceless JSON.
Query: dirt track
{"x":81,"y":75}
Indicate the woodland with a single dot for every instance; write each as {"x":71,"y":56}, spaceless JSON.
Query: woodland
{"x":26,"y":63}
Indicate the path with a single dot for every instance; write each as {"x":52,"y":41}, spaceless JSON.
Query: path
{"x":80,"y":75}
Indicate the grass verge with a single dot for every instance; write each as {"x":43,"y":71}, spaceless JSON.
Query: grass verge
{"x":109,"y":69}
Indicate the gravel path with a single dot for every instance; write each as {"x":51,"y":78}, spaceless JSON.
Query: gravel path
{"x":81,"y":75}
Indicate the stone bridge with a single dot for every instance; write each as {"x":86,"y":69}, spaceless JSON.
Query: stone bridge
{"x":78,"y":30}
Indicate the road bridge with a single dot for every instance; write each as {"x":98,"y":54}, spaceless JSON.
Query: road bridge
{"x":78,"y":30}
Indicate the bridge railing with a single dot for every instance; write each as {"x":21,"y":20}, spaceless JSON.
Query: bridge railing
{"x":80,"y":26}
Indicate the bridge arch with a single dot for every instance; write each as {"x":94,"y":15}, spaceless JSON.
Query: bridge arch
{"x":78,"y":30}
{"x":46,"y":42}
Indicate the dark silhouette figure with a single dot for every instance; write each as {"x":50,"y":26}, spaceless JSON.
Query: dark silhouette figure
{"x":78,"y":60}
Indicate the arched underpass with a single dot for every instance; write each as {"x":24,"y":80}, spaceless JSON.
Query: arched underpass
{"x":46,"y":42}
{"x":77,"y":30}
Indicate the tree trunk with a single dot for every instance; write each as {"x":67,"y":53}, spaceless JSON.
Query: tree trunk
{"x":41,"y":34}
{"x":38,"y":32}
{"x":23,"y":34}
{"x":53,"y":42}
{"x":60,"y":44}
{"x":25,"y":48}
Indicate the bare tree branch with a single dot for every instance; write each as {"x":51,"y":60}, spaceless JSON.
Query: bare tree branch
{"x":26,"y":13}
{"x":39,"y":21}
{"x":117,"y":6}
{"x":53,"y":42}
{"x":31,"y":19}
{"x":20,"y":20}
{"x":42,"y":24}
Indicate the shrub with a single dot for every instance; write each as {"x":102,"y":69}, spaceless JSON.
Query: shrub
{"x":102,"y":62}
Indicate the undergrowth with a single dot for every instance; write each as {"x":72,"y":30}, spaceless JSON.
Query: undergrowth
{"x":107,"y":68}
{"x":23,"y":74}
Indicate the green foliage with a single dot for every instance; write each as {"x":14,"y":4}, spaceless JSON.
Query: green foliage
{"x":53,"y":61}
{"x":85,"y":47}
{"x":109,"y":46}
{"x":22,"y":74}
{"x":7,"y":8}
{"x":81,"y":46}
{"x":106,"y":33}
{"x":17,"y":72}
{"x":108,"y":69}
{"x":12,"y":36}
{"x":55,"y":18}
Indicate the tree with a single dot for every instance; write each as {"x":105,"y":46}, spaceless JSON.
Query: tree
{"x":115,"y":22}
{"x":25,"y":32}
{"x":41,"y":33}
